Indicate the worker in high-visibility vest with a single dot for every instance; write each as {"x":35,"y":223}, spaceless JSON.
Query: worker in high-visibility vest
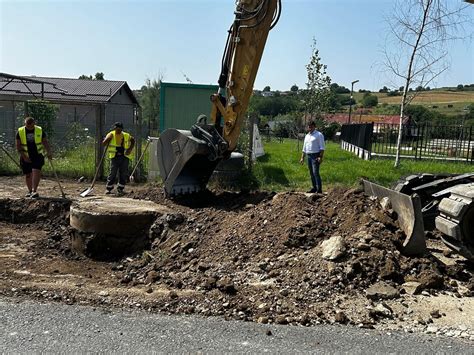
{"x":120,"y":146}
{"x":31,"y":144}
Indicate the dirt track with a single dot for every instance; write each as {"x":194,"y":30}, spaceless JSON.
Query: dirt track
{"x":255,"y":256}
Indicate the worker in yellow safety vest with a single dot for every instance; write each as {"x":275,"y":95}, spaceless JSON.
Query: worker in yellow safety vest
{"x":120,"y":146}
{"x":31,"y":143}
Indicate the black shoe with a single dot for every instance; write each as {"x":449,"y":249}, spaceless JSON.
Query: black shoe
{"x":34,"y":194}
{"x":312,"y":191}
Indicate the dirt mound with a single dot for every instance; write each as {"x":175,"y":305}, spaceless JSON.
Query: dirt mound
{"x":286,"y":257}
{"x":272,"y":258}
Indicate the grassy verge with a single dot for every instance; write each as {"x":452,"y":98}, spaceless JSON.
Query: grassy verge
{"x":72,"y":163}
{"x":280,"y":170}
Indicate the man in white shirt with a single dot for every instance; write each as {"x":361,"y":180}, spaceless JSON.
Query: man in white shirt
{"x":313,"y":147}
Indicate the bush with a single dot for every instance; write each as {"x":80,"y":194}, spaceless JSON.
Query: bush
{"x":370,"y":100}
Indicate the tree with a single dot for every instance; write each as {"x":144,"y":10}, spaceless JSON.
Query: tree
{"x":369,"y":100}
{"x":318,"y":93}
{"x":97,"y":76}
{"x":150,"y":101}
{"x":384,"y":89}
{"x":416,"y":50}
{"x":294,"y":88}
{"x":460,"y":87}
{"x":44,"y":113}
{"x":266,"y":88}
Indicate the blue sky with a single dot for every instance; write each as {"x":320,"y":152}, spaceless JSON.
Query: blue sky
{"x":135,"y":40}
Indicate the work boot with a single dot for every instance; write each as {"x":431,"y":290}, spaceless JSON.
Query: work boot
{"x":120,"y":192}
{"x":108,"y":192}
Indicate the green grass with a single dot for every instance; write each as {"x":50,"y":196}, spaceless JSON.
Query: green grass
{"x":280,"y":170}
{"x":72,"y":163}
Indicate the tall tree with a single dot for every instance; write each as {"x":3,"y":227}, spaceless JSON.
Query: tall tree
{"x":150,"y":101}
{"x":416,"y":51}
{"x":318,"y":93}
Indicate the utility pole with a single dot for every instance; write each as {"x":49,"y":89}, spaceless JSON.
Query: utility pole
{"x":350,"y":106}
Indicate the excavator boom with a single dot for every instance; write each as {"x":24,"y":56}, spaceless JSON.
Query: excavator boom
{"x":187,"y":159}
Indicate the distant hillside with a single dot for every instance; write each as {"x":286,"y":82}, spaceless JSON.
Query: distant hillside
{"x":445,"y":101}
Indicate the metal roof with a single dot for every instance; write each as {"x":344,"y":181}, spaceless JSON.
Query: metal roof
{"x":62,"y":89}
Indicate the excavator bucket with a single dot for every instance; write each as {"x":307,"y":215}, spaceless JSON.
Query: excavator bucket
{"x":410,"y":218}
{"x":184,"y":162}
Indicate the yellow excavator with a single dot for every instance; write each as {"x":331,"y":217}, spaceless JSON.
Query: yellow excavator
{"x":187,"y":159}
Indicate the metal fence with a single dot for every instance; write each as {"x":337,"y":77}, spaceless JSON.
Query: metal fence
{"x":448,"y":143}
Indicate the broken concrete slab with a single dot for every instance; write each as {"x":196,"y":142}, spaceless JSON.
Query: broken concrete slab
{"x":381,"y":290}
{"x":333,"y":248}
{"x":412,"y":287}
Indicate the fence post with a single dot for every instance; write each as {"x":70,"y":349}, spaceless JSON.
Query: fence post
{"x":469,"y":146}
{"x":99,"y":128}
{"x":138,"y":141}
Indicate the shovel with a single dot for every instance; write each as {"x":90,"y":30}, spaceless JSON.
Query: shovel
{"x":56,"y":176}
{"x":89,"y":190}
{"x":132,"y":179}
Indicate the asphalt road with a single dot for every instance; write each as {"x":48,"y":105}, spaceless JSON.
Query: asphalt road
{"x":35,"y":327}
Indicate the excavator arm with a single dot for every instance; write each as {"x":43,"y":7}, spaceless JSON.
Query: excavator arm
{"x":240,"y":62}
{"x":188,"y":158}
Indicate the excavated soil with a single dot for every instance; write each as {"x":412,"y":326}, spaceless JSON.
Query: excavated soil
{"x":251,"y":256}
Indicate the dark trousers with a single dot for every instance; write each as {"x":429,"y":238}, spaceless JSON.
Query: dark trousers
{"x":119,"y":165}
{"x":313,"y":166}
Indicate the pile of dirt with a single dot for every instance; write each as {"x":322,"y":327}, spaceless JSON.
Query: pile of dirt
{"x":284,"y":258}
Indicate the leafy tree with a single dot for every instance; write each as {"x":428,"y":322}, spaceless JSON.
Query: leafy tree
{"x":318,"y":94}
{"x":339,"y":89}
{"x":150,"y":101}
{"x":369,"y":100}
{"x":294,"y":88}
{"x":97,"y":76}
{"x":460,"y":87}
{"x":266,"y":88}
{"x":44,"y":113}
{"x":273,"y":106}
{"x":384,"y":89}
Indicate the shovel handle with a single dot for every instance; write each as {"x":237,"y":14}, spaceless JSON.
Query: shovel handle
{"x":56,"y":176}
{"x":141,"y":157}
{"x":98,"y":166}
